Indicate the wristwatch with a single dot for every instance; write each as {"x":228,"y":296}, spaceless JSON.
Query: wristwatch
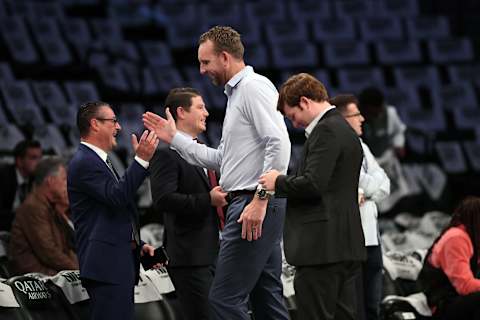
{"x":263,"y":194}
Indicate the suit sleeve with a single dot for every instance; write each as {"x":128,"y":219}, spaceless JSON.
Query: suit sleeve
{"x":320,"y":160}
{"x":99,"y":183}
{"x":164,"y":177}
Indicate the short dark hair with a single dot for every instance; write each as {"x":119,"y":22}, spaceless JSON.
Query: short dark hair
{"x":21,"y":148}
{"x":301,"y":85}
{"x":341,"y":101}
{"x":180,"y":97}
{"x":224,"y":39}
{"x":87,"y":112}
{"x":48,"y":166}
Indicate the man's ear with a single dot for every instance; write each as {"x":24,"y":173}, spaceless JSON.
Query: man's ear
{"x":180,"y":113}
{"x":304,"y":103}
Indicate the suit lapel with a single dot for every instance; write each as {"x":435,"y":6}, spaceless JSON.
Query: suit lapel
{"x":203,"y":175}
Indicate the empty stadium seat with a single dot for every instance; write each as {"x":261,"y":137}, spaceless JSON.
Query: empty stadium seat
{"x":333,"y":28}
{"x":308,"y":10}
{"x":49,"y":94}
{"x":156,"y":53}
{"x":402,"y":97}
{"x":466,"y":117}
{"x":167,"y":78}
{"x":18,"y":41}
{"x":398,"y":8}
{"x":3,"y":117}
{"x":10,"y":135}
{"x":450,"y":50}
{"x":285,"y":31}
{"x":426,"y":76}
{"x":427,"y":120}
{"x":472,"y":149}
{"x":214,"y":13}
{"x":451,"y":156}
{"x":355,"y":80}
{"x":395,"y":52}
{"x":79,"y":92}
{"x":455,"y":95}
{"x":464,"y":73}
{"x":381,"y":28}
{"x":435,"y":27}
{"x":6,"y":73}
{"x":262,"y":11}
{"x":112,"y":77}
{"x":67,"y":283}
{"x":353,"y":8}
{"x":346,"y":53}
{"x":257,"y":56}
{"x":294,"y":54}
{"x":50,"y":138}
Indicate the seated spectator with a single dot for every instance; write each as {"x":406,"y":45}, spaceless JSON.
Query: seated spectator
{"x":42,"y":238}
{"x":449,"y":276}
{"x":16,"y":179}
{"x":382,"y":130}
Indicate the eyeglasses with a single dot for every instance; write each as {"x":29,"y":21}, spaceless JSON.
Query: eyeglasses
{"x":358,"y":114}
{"x":114,"y":120}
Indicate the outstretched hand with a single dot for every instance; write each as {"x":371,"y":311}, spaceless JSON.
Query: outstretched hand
{"x":146,"y":146}
{"x":165,"y":129}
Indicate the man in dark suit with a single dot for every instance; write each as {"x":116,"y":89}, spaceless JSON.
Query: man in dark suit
{"x":17,"y":179}
{"x":323,"y":234}
{"x":189,"y":202}
{"x":104,"y":214}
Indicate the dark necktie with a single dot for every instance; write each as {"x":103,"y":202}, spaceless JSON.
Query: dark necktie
{"x":22,"y":191}
{"x":212,"y":178}
{"x":135,"y":231}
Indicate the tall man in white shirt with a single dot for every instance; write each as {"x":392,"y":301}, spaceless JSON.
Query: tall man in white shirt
{"x":374,"y":186}
{"x":254,"y":140}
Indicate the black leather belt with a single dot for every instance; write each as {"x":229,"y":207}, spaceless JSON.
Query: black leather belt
{"x":236,"y":193}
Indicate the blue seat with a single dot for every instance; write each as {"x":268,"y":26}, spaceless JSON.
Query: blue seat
{"x":333,"y":29}
{"x":450,"y":50}
{"x":18,"y":41}
{"x":17,"y":95}
{"x":215,"y":13}
{"x":398,"y":8}
{"x":79,"y":92}
{"x":355,"y":80}
{"x":6,"y":73}
{"x":308,"y":10}
{"x":10,"y":135}
{"x":140,"y":78}
{"x":394,"y":52}
{"x":156,"y":53}
{"x":346,"y":53}
{"x":106,"y":29}
{"x":166,"y":78}
{"x":354,"y":8}
{"x":381,"y":28}
{"x":49,"y":94}
{"x":427,"y":76}
{"x":472,"y":149}
{"x":451,"y":156}
{"x":464,"y":73}
{"x":466,"y":117}
{"x":54,"y":50}
{"x":112,"y":77}
{"x":432,"y":120}
{"x":63,"y":115}
{"x":294,"y":54}
{"x":320,"y":74}
{"x":285,"y":31}
{"x":77,"y":33}
{"x":183,"y":34}
{"x":402,"y":97}
{"x":50,"y":138}
{"x":455,"y":95}
{"x":263,"y":11}
{"x":424,"y":27}
{"x":3,"y":117}
{"x":257,"y":56}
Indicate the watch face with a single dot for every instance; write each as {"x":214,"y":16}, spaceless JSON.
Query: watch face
{"x":262,"y":193}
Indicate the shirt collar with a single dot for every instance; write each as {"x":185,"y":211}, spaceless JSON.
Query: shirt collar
{"x":102,"y":154}
{"x":20,"y":178}
{"x":236,"y":79}
{"x":311,"y":125}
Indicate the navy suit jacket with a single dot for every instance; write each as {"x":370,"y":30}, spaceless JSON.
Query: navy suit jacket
{"x":102,"y":210}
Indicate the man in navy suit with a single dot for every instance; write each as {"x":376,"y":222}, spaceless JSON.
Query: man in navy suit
{"x":104,"y":214}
